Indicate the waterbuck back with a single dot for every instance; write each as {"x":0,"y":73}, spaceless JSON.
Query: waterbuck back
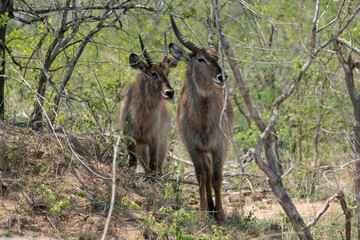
{"x":144,"y":116}
{"x":204,"y":118}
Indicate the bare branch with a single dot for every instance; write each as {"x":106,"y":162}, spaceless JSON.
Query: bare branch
{"x":75,"y":59}
{"x":334,"y":20}
{"x":124,"y":6}
{"x":113,"y":189}
{"x":348,"y":74}
{"x":337,"y":34}
{"x":349,"y":45}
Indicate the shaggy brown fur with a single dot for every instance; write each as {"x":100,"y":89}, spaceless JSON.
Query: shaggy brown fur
{"x":203,"y":123}
{"x":144,"y":115}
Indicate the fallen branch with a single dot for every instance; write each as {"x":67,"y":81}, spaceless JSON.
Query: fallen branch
{"x":251,"y":187}
{"x":321,"y":212}
{"x":182,"y":160}
{"x":183,"y":181}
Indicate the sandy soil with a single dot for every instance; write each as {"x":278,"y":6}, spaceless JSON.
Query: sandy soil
{"x":35,"y":167}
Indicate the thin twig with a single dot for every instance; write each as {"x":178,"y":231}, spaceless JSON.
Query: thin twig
{"x":334,"y":20}
{"x":47,"y":217}
{"x":113,"y":190}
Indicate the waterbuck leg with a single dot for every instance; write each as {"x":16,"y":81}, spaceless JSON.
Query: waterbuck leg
{"x":208,"y":170}
{"x":153,"y":154}
{"x":197,"y":159}
{"x":132,"y":155}
{"x":217,"y":177}
{"x":161,"y":156}
{"x":143,"y":156}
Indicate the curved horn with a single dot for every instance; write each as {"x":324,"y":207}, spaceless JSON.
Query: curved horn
{"x":210,"y":36}
{"x":145,"y":53}
{"x":165,"y":59}
{"x":191,"y":46}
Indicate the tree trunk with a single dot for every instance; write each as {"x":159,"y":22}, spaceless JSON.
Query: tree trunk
{"x":279,"y":191}
{"x":2,"y":70}
{"x":5,"y":7}
{"x":316,"y":141}
{"x":357,"y":167}
{"x":37,"y":115}
{"x":36,"y":120}
{"x":348,"y":67}
{"x":290,"y":210}
{"x":74,"y":61}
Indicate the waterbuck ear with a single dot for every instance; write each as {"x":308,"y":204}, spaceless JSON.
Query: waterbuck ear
{"x":213,"y":49}
{"x":173,"y":62}
{"x":178,"y":52}
{"x":136,"y":62}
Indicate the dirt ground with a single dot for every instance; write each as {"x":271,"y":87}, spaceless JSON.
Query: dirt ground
{"x":48,"y":191}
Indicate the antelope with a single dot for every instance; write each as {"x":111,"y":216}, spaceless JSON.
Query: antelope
{"x":144,"y":116}
{"x":201,"y":119}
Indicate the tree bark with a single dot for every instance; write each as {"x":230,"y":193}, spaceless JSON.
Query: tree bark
{"x":316,"y":141}
{"x":348,"y":67}
{"x":2,"y":70}
{"x":6,"y":6}
{"x":347,"y":213}
{"x":36,"y":121}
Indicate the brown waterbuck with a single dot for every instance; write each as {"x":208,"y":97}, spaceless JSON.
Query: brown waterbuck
{"x":144,"y":116}
{"x":202,"y":119}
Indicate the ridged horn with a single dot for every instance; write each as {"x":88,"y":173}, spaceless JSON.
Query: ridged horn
{"x":165,"y":59}
{"x":191,"y":46}
{"x":145,"y":53}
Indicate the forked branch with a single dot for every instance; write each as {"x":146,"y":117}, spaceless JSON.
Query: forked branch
{"x":265,"y":139}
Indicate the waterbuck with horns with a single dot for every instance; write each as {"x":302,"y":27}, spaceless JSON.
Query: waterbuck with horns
{"x":144,"y":116}
{"x":204,"y":118}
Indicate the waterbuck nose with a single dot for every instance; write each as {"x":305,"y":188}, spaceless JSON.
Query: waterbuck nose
{"x":220,"y":78}
{"x":169,"y":93}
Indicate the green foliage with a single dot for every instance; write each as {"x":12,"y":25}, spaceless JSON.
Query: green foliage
{"x":166,"y":229}
{"x":49,"y":194}
{"x":61,"y":205}
{"x":128,"y":204}
{"x":4,"y":18}
{"x":247,"y":138}
{"x":250,"y":219}
{"x":219,"y":233}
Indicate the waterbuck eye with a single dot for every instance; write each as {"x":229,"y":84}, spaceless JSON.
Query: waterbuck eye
{"x":201,"y":60}
{"x":154,"y":75}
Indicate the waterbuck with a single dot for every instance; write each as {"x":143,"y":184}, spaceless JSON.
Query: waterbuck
{"x":202,"y":120}
{"x":144,"y":116}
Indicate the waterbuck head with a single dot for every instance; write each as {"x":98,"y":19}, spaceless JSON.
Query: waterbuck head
{"x":203,"y":65}
{"x":155,"y":75}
